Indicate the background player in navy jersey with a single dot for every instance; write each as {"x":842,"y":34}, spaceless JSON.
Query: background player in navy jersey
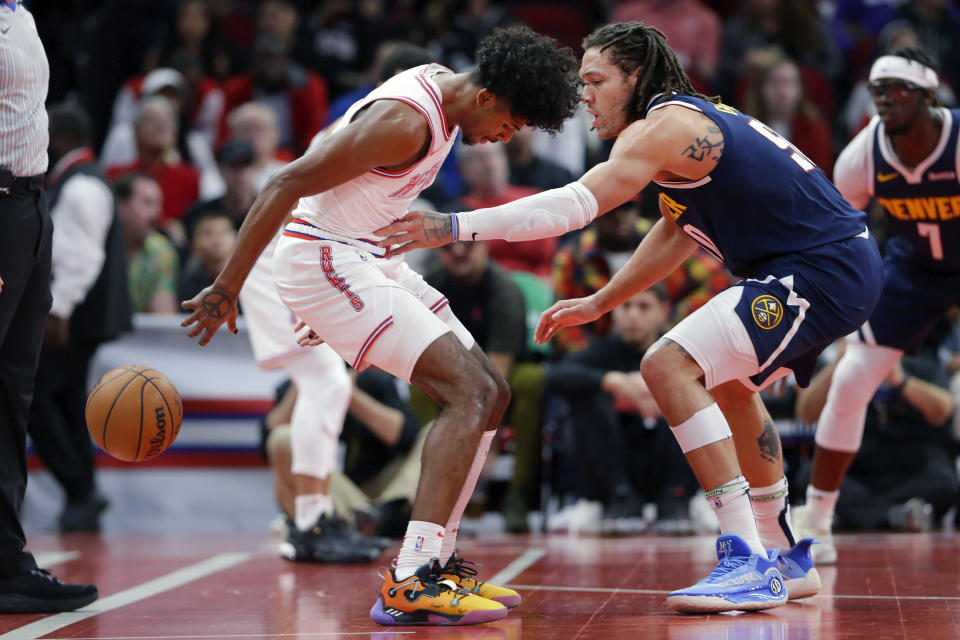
{"x":811,"y":274}
{"x":907,"y":160}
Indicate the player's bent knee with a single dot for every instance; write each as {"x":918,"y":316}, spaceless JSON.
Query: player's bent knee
{"x":666,"y":362}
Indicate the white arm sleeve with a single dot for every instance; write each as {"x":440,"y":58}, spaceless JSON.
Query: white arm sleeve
{"x":853,"y":172}
{"x":542,"y":215}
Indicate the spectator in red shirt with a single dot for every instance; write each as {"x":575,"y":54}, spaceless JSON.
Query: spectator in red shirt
{"x":155,"y":128}
{"x":775,"y":96}
{"x":486,"y":172}
{"x":297,"y":97}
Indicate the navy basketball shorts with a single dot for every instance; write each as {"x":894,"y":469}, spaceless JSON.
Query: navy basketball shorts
{"x":777,"y":322}
{"x":912,"y":302}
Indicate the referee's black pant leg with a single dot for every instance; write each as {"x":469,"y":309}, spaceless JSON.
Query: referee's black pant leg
{"x":57,"y":425}
{"x":25,"y":245}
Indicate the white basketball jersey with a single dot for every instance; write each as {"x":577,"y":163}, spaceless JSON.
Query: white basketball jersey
{"x":375,"y":199}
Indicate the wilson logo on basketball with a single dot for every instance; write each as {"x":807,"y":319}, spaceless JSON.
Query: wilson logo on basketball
{"x":156,"y":442}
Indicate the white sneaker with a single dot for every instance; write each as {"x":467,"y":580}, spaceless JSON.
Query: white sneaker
{"x":587,"y":518}
{"x":824,"y":550}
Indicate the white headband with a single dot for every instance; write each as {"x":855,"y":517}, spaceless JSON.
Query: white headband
{"x":903,"y":69}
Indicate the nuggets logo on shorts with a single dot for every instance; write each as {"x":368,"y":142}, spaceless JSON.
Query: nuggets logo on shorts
{"x":767,"y":311}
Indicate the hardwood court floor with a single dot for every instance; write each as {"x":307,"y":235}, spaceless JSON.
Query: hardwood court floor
{"x":234,"y":587}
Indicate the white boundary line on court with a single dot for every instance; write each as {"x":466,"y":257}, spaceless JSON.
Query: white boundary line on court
{"x":169,"y":581}
{"x":518,"y":566}
{"x":653,"y":592}
{"x":50,"y":558}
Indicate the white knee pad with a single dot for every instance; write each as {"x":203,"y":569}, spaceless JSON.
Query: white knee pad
{"x":323,"y":395}
{"x":706,"y":426}
{"x":857,"y":376}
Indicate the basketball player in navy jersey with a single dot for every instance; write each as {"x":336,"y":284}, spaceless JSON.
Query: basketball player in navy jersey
{"x":810,"y":271}
{"x":906,"y":159}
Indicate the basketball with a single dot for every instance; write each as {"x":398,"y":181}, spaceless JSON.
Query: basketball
{"x":134,"y":413}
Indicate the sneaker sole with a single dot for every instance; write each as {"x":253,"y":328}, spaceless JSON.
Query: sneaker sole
{"x":18,"y":603}
{"x":508,"y":601}
{"x":713,"y":604}
{"x":288,"y":552}
{"x":423,"y":617}
{"x":804,"y":587}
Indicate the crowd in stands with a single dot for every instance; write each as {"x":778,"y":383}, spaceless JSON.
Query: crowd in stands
{"x":192,"y":104}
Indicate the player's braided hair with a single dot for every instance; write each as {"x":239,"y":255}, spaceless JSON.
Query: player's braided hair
{"x":538,"y":80}
{"x":916,"y":53}
{"x":635,"y":44}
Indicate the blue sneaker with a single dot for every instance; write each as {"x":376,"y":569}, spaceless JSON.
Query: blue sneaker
{"x":742,"y":581}
{"x":800,"y":577}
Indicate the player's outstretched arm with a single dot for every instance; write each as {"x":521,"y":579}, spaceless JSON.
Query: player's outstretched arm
{"x":386,"y":134}
{"x":662,"y":250}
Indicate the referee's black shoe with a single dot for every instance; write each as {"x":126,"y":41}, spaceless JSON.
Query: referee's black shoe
{"x":39,"y":592}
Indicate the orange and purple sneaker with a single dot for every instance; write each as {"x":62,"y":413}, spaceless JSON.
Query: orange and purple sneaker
{"x":427,"y":598}
{"x":459,"y":571}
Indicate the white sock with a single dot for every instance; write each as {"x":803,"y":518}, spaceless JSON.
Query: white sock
{"x":732,"y":506}
{"x":822,"y":505}
{"x":771,"y":508}
{"x":309,"y":507}
{"x":466,"y":491}
{"x":421,"y":543}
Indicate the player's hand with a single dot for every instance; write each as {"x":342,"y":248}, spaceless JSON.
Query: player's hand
{"x":210,"y":308}
{"x":566,"y":313}
{"x":416,"y":230}
{"x":307,"y":337}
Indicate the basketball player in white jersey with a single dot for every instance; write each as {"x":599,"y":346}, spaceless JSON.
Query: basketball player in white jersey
{"x":373,"y":311}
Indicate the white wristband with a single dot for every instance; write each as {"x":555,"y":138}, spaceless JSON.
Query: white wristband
{"x":542,"y":215}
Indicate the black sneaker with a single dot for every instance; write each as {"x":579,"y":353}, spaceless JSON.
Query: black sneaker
{"x":39,"y":592}
{"x":330,"y":541}
{"x":83,"y":515}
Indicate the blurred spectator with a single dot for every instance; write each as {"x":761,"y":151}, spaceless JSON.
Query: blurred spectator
{"x":155,"y":128}
{"x":791,"y":25}
{"x":279,"y":19}
{"x":192,"y":31}
{"x":236,"y":162}
{"x":255,"y":124}
{"x":193,"y":136}
{"x":344,"y":36}
{"x":152,"y":262}
{"x":90,"y":306}
{"x":212,"y":234}
{"x":937,"y":23}
{"x":950,"y":358}
{"x":527,"y":169}
{"x":775,"y":96}
{"x":692,"y":29}
{"x":485,"y":170}
{"x":586,"y":262}
{"x":625,"y":452}
{"x":297,"y":97}
{"x":375,"y":489}
{"x":903,"y":476}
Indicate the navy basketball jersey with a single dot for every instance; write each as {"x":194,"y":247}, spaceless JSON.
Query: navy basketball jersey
{"x":764,"y":198}
{"x":923,"y":203}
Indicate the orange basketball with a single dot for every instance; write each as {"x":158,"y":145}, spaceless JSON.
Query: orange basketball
{"x":134,"y":413}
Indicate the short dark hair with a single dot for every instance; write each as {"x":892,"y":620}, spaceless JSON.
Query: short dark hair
{"x":917,"y":54}
{"x":403,"y":56}
{"x":635,"y":44}
{"x":206,"y":214}
{"x":71,"y":120}
{"x":537,"y":79}
{"x":123,"y":186}
{"x":660,"y":290}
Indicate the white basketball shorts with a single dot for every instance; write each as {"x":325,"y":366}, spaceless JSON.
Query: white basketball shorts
{"x":372,"y":311}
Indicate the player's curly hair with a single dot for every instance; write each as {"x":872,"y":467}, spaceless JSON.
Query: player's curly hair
{"x":635,"y":44}
{"x":537,"y":79}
